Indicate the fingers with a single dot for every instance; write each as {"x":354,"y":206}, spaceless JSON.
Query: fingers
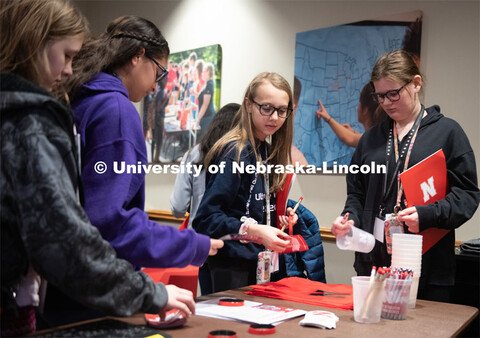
{"x":279,"y":245}
{"x":340,"y":227}
{"x":179,"y":299}
{"x":410,"y":217}
{"x":283,"y":221}
{"x":215,"y":244}
{"x":321,"y":105}
{"x":284,"y":236}
{"x":407,"y":211}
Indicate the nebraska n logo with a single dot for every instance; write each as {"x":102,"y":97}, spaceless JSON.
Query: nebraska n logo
{"x":428,"y":189}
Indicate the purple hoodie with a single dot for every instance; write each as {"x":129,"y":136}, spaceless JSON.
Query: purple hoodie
{"x":111,"y":130}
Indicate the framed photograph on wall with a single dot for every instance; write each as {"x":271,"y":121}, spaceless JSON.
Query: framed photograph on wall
{"x":332,"y":65}
{"x":177,"y":115}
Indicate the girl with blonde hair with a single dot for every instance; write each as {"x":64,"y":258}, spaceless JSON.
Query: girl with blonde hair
{"x":244,"y":202}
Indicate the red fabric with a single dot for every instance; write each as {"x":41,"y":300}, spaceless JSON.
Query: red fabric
{"x":185,"y":278}
{"x":17,"y":323}
{"x":297,"y":244}
{"x":301,"y":290}
{"x":433,"y":167}
{"x":282,"y":198}
{"x":184,"y":223}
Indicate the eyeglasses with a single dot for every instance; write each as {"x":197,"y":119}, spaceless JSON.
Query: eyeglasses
{"x":268,"y":110}
{"x":393,"y":95}
{"x":164,"y":72}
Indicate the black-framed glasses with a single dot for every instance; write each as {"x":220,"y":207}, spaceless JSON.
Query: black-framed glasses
{"x":164,"y":72}
{"x":268,"y":110}
{"x":393,"y":95}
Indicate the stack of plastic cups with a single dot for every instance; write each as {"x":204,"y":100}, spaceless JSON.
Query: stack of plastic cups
{"x":407,"y":254}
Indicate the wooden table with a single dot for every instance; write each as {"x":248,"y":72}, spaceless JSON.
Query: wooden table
{"x":428,"y":319}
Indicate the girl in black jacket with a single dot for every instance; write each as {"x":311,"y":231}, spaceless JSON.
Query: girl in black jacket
{"x":397,"y":82}
{"x":45,"y":233}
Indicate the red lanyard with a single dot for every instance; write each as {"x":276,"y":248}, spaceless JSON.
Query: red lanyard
{"x":392,"y":142}
{"x":407,"y":158}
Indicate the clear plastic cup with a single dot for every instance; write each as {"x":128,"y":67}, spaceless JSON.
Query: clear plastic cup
{"x":415,"y":268}
{"x":407,"y":258}
{"x":356,"y":240}
{"x":367,"y":299}
{"x":407,"y":246}
{"x":400,"y":239}
{"x":397,"y":295}
{"x":412,"y":301}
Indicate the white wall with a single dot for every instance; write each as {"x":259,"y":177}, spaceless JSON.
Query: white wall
{"x":258,"y":35}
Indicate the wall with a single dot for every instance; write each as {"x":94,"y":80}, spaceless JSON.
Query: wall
{"x":260,"y":36}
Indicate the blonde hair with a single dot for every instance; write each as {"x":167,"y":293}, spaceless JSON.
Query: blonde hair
{"x":211,"y":69}
{"x":281,"y":141}
{"x":27,"y":26}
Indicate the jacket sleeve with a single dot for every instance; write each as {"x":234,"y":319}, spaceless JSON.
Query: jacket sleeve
{"x":312,"y":260}
{"x":61,"y":244}
{"x":182,"y":190}
{"x":354,"y":204}
{"x":463,"y":197}
{"x":111,"y":205}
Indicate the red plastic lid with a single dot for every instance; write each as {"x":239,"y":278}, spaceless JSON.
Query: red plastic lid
{"x":231,"y":302}
{"x":261,"y":329}
{"x":222,"y":334}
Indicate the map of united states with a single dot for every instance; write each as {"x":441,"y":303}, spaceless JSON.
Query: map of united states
{"x":333,"y":64}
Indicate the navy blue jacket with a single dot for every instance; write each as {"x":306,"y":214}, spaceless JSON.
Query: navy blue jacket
{"x":225,"y":202}
{"x":311,"y":261}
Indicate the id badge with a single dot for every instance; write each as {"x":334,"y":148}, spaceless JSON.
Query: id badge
{"x":263,"y":266}
{"x":392,"y":226}
{"x":275,"y":266}
{"x":378,"y":229}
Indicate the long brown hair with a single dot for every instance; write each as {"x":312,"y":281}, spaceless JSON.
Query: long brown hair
{"x":26,"y":27}
{"x":123,"y":39}
{"x":281,"y":141}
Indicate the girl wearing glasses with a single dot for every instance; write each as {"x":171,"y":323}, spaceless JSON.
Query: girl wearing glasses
{"x":125,"y":64}
{"x":244,"y":202}
{"x":416,"y":132}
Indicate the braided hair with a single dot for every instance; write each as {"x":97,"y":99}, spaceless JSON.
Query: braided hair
{"x":123,"y":39}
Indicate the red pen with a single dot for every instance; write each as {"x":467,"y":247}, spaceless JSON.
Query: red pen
{"x":345,"y":218}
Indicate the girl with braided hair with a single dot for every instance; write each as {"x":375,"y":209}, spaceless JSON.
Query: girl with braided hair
{"x":125,"y":64}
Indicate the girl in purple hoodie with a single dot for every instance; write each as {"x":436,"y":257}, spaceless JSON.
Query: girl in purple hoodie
{"x":125,"y":64}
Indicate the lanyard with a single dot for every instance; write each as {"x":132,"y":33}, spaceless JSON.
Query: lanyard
{"x":404,"y":153}
{"x":267,"y":195}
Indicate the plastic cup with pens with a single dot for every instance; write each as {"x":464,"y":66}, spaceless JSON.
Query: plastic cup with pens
{"x":407,"y":253}
{"x":397,"y":294}
{"x":368,"y":296}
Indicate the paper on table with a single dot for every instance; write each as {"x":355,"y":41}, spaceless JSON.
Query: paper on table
{"x":202,"y":308}
{"x":251,"y":312}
